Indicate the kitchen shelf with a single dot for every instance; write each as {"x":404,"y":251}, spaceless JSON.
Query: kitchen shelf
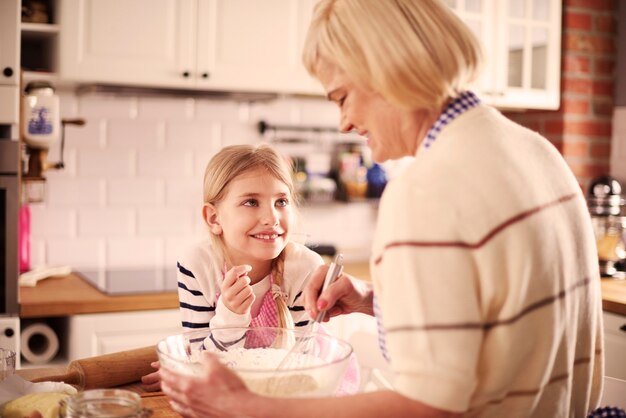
{"x":40,"y":46}
{"x":39,"y":30}
{"x":28,"y":76}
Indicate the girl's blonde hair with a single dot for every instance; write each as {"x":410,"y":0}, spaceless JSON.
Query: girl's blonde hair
{"x":415,"y":53}
{"x":229,"y":163}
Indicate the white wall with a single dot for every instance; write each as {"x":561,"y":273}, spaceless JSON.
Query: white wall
{"x":131,"y":192}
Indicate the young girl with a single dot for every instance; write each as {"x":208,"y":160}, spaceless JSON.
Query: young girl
{"x":248,"y":272}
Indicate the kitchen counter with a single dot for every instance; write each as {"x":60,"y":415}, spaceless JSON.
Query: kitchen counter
{"x":614,"y":296}
{"x":71,"y":295}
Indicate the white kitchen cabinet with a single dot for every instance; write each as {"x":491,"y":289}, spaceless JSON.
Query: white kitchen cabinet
{"x":9,"y":42}
{"x":234,"y":45}
{"x":521,"y":40}
{"x":97,"y":334}
{"x":9,"y":67}
{"x":615,"y":345}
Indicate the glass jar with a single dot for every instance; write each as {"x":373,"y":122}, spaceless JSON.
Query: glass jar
{"x":104,"y":403}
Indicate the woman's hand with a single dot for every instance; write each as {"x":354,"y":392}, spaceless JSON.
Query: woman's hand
{"x":218,"y":393}
{"x":152,"y":382}
{"x":237,"y":294}
{"x":345,"y":295}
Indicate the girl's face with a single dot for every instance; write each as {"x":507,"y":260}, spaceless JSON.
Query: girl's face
{"x":391,"y":132}
{"x":254,"y":218}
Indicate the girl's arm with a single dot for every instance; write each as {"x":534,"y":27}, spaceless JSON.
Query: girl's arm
{"x":196,"y":308}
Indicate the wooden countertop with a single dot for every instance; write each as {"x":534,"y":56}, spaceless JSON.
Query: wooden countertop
{"x":71,"y":295}
{"x":155,"y":401}
{"x":614,"y":296}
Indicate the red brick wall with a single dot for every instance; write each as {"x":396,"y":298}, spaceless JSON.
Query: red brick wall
{"x":581,"y":128}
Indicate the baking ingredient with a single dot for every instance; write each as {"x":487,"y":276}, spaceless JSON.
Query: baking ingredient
{"x":47,"y":403}
{"x":256,"y":366}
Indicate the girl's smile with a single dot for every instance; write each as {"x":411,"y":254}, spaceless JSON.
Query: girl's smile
{"x":254,"y":219}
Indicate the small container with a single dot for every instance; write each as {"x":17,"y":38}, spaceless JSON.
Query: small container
{"x":7,"y":363}
{"x":41,"y":121}
{"x":104,"y":403}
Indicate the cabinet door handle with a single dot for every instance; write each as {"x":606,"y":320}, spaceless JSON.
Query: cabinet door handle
{"x":7,"y":71}
{"x":623,"y":327}
{"x":186,"y":74}
{"x":205,"y":75}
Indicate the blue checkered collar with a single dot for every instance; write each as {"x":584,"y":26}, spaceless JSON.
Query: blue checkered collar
{"x":463,"y":102}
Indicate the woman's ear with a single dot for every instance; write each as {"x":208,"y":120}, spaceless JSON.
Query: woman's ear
{"x":209,"y":213}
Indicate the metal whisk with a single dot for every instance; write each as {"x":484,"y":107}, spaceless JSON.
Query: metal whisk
{"x":298,"y":356}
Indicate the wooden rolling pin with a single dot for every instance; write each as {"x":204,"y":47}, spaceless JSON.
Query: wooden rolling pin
{"x":108,"y":370}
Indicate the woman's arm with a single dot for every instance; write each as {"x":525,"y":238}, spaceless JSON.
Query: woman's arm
{"x":229,"y":397}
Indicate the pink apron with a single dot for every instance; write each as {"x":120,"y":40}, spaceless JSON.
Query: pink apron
{"x":268,"y":317}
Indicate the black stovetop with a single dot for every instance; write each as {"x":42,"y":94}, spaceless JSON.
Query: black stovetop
{"x":132,"y":280}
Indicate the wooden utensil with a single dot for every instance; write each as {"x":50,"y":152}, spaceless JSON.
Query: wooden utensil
{"x":108,"y":370}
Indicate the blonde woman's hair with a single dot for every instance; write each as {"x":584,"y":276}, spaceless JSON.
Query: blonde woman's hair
{"x":415,"y":53}
{"x":231,"y":162}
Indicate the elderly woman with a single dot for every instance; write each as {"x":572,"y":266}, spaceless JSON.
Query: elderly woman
{"x":485,"y":276}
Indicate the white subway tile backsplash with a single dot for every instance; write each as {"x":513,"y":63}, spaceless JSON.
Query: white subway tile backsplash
{"x":79,"y":253}
{"x":166,"y":108}
{"x":217,"y":110}
{"x":135,"y":252}
{"x":165,"y":222}
{"x":106,"y":222}
{"x":95,"y":106}
{"x":37,"y":252}
{"x":319,"y":113}
{"x":197,"y":135}
{"x":52,"y":222}
{"x":165,"y":164}
{"x":130,"y":134}
{"x":74,"y":192}
{"x":84,"y":137}
{"x":236,"y":133}
{"x":276,"y":112}
{"x":108,"y":163}
{"x":131,"y":192}
{"x":146,"y":192}
{"x":68,"y":103}
{"x":184,"y":193}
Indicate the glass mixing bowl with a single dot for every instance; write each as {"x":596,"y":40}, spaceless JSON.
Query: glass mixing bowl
{"x":255,"y":355}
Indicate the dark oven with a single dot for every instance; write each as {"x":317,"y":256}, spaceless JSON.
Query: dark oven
{"x":9,"y":204}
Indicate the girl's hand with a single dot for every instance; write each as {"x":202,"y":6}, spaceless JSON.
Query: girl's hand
{"x":236,"y":291}
{"x":218,"y":393}
{"x":152,"y":382}
{"x":345,"y":295}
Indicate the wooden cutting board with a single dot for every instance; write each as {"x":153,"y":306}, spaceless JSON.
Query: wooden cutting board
{"x":159,"y":406}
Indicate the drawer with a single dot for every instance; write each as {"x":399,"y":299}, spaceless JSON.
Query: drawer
{"x":615,"y":345}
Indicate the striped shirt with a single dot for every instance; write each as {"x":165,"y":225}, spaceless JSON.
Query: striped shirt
{"x":200,"y":275}
{"x":485,"y":273}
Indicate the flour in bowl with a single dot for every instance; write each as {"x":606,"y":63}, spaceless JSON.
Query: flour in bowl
{"x":265,"y":358}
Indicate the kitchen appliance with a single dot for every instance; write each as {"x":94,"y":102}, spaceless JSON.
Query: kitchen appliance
{"x":123,"y":281}
{"x":608,"y":217}
{"x":9,"y":206}
{"x":41,"y":127}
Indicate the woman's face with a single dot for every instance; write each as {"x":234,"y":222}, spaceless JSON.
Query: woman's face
{"x":391,"y":132}
{"x":254,"y":217}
